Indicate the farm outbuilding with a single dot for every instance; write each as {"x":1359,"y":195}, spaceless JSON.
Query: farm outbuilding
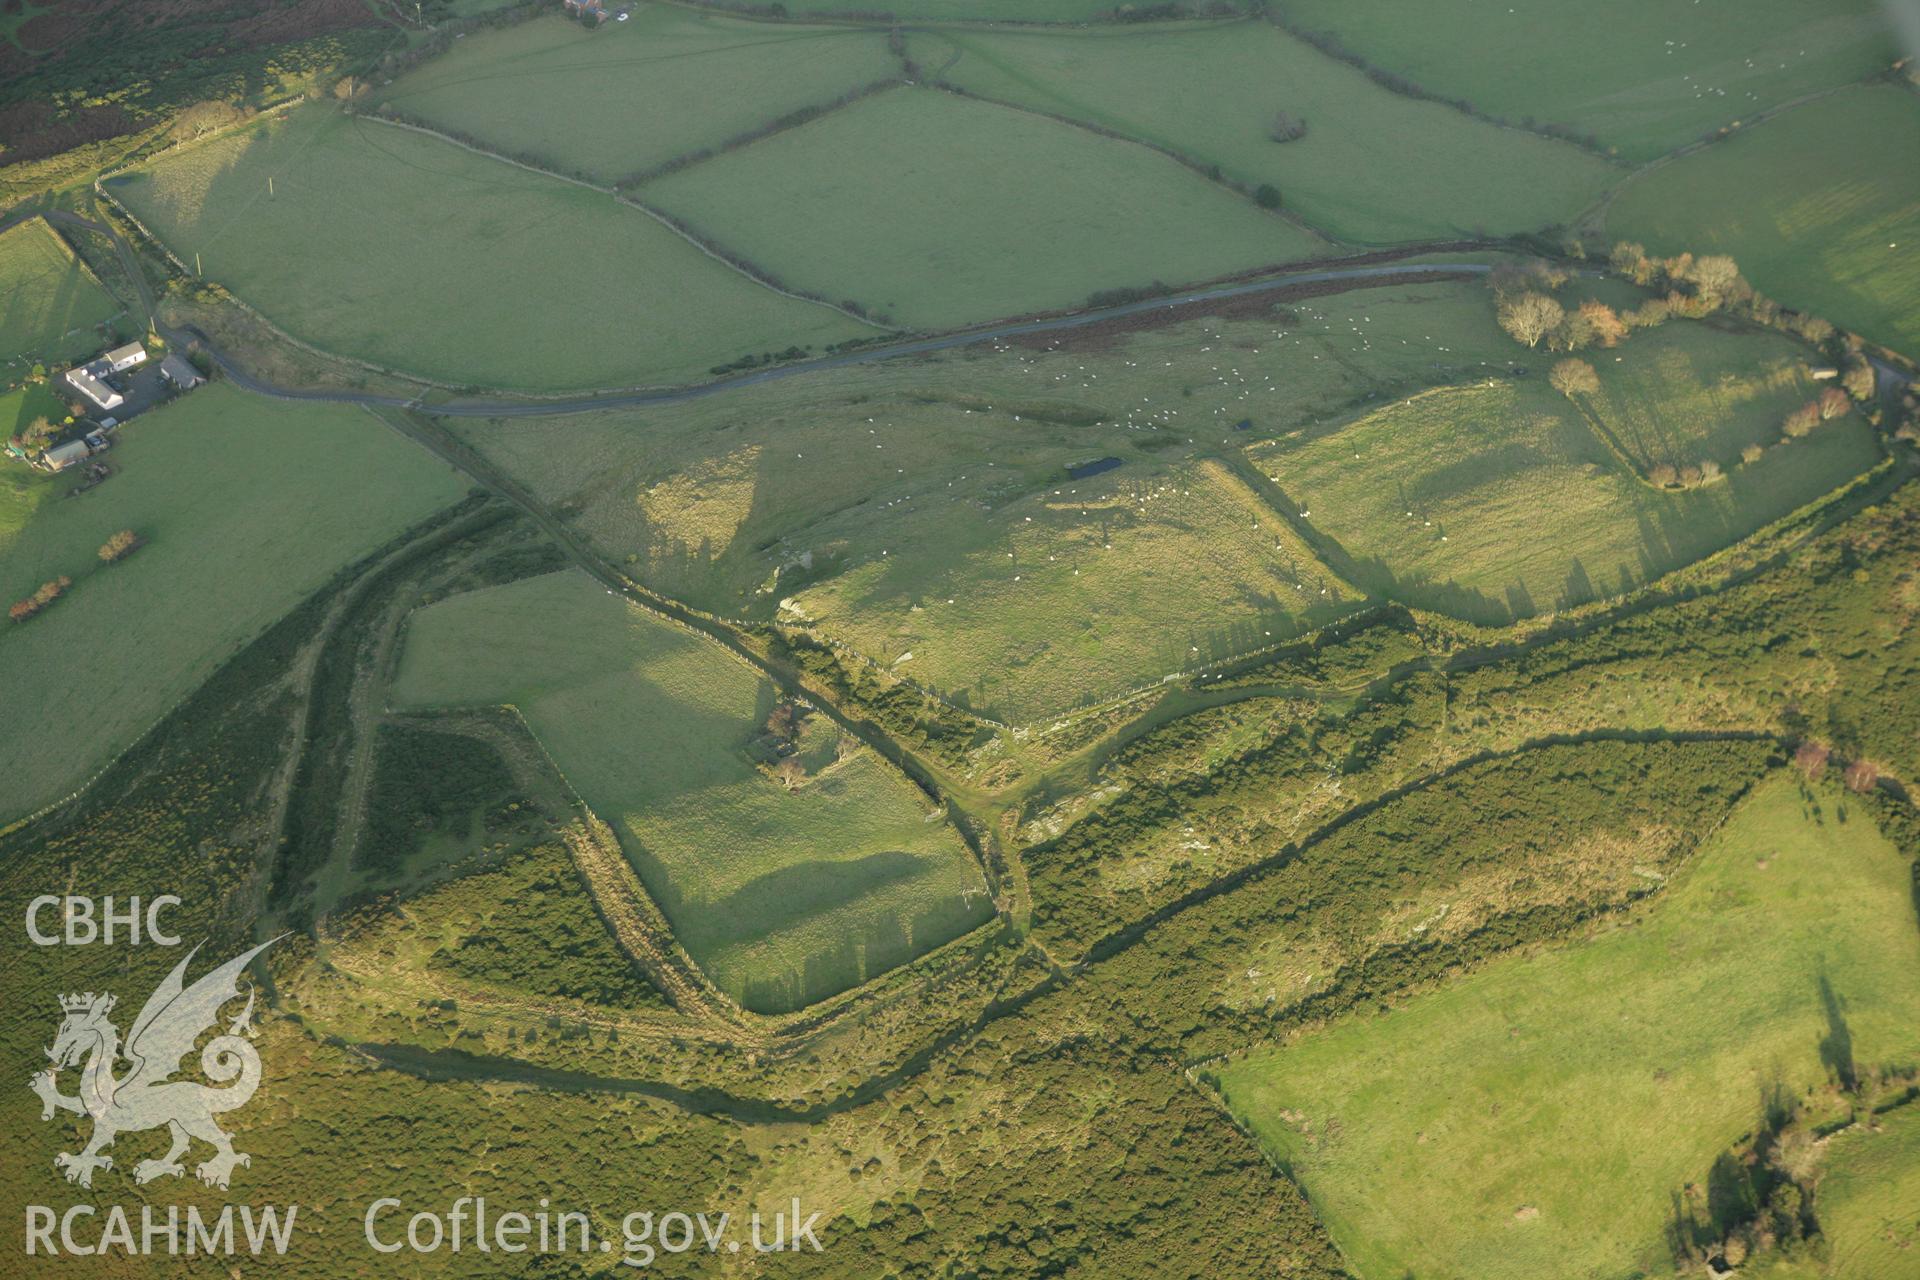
{"x":121,"y":359}
{"x":64,"y":455}
{"x":180,"y":373}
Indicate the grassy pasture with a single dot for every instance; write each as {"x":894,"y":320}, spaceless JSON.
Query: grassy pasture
{"x":893,"y":487}
{"x":1868,"y":1186}
{"x":940,"y":211}
{"x":783,"y":897}
{"x":1022,"y":11}
{"x":1684,"y":393}
{"x":49,"y":301}
{"x":400,"y":249}
{"x":1374,"y":166}
{"x":1497,"y":500}
{"x":1645,"y":76}
{"x":243,"y":510}
{"x":1079,"y":591}
{"x":707,"y":500}
{"x":634,"y":94}
{"x":739,"y":500}
{"x":1535,"y":1117}
{"x":1808,"y":204}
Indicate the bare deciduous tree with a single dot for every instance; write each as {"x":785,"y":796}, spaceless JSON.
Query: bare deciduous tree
{"x":1530,"y":316}
{"x":1574,"y":377}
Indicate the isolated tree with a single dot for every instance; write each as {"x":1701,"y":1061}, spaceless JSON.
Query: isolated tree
{"x":1574,"y":378}
{"x":1267,"y":196}
{"x":1858,"y":378}
{"x":1603,"y":322}
{"x":1802,"y":420}
{"x":1630,"y":260}
{"x":1833,"y":402}
{"x":1716,"y":276}
{"x":1813,"y":328}
{"x":1709,"y":469}
{"x":1861,"y":776}
{"x":1752,"y":453}
{"x":1573,"y":333}
{"x":45,"y":594}
{"x":1662,"y":474}
{"x":1811,"y":759}
{"x":119,"y":546}
{"x":790,"y":772}
{"x":37,"y":433}
{"x":1547,"y":275}
{"x":1530,"y":316}
{"x":1649,"y":314}
{"x":1287,"y":127}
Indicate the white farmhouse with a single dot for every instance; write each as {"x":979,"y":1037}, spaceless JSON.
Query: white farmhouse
{"x":95,"y":390}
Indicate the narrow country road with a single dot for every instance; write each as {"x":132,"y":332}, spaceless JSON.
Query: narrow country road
{"x":500,"y":408}
{"x":522,"y":408}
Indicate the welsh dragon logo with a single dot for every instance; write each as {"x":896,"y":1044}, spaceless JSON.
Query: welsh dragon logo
{"x":146,"y":1096}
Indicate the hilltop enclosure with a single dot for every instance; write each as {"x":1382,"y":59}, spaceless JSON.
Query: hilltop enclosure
{"x":784,"y":894}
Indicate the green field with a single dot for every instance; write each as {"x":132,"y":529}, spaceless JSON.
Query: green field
{"x":939,"y":211}
{"x":1078,"y":592}
{"x":1809,"y":205}
{"x":1022,"y":11}
{"x":1869,"y":1185}
{"x":877,"y":493}
{"x":633,"y":94}
{"x":1644,"y":76}
{"x":1536,"y":1117}
{"x":49,"y":302}
{"x":743,"y":500}
{"x":1686,"y":393}
{"x":389,"y":246}
{"x":1374,"y":166}
{"x":783,"y":898}
{"x":230,"y":494}
{"x":1497,"y":499}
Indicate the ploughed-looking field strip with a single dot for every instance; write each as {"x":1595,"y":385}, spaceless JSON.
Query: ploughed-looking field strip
{"x":1538,"y":1117}
{"x":1641,"y":76}
{"x":936,"y":211}
{"x":1819,"y":206}
{"x":1371,"y":166}
{"x":784,"y":897}
{"x":1500,"y":499}
{"x":621,"y":100}
{"x":49,"y":301}
{"x":227,"y":491}
{"x":400,"y":249}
